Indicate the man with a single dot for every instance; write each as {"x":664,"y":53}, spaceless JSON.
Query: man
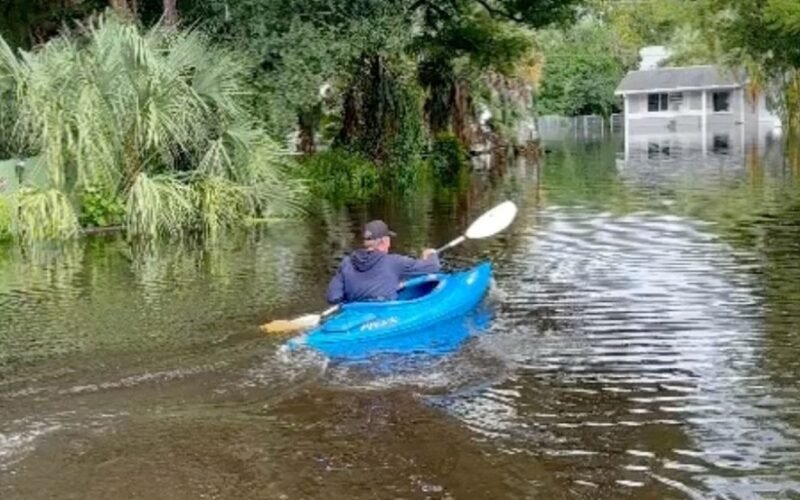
{"x":372,"y":273}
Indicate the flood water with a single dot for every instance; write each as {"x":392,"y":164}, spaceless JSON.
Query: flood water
{"x":644,"y":343}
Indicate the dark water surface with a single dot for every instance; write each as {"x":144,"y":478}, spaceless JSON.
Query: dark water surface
{"x":645,"y":344}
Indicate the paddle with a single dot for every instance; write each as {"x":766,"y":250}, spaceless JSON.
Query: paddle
{"x":488,"y":224}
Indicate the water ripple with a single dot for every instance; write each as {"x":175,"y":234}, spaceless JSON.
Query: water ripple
{"x":637,"y":328}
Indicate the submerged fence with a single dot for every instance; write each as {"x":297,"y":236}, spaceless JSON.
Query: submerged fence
{"x":554,"y":127}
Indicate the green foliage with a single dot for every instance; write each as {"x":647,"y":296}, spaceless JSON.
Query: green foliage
{"x":154,"y":113}
{"x":7,"y":118}
{"x":168,"y":104}
{"x":339,"y":175}
{"x":475,"y":39}
{"x":784,"y":15}
{"x":760,"y":35}
{"x":100,"y":208}
{"x":382,"y":117}
{"x":219,"y":203}
{"x":448,"y":157}
{"x":45,"y":214}
{"x":405,"y":178}
{"x":161,"y":204}
{"x":582,"y":69}
{"x":645,"y":22}
{"x":6,"y":222}
{"x":408,"y":135}
{"x":690,"y":46}
{"x":304,"y":45}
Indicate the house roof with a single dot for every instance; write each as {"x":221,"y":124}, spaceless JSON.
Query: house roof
{"x":685,"y":78}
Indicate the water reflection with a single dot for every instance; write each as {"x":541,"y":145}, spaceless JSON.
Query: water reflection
{"x":104,"y":294}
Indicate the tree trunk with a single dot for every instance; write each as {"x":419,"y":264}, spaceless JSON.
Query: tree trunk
{"x":350,"y":122}
{"x":122,"y":8}
{"x":377,"y":110}
{"x":437,"y":76}
{"x":307,"y":122}
{"x":170,"y":12}
{"x":462,"y":111}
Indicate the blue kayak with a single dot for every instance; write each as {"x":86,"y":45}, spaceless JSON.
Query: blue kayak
{"x":428,"y":317}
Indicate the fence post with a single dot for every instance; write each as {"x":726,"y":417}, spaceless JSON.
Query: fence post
{"x":19,"y":168}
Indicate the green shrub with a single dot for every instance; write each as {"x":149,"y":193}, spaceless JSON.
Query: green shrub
{"x":448,"y":158}
{"x":339,"y":175}
{"x":100,"y":208}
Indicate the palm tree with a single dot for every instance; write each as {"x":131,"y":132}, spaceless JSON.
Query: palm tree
{"x":159,"y":119}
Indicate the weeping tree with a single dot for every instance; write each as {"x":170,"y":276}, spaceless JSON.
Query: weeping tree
{"x":466,"y":47}
{"x":382,"y":113}
{"x":456,"y":56}
{"x":156,"y":120}
{"x":304,"y":46}
{"x":367,"y":49}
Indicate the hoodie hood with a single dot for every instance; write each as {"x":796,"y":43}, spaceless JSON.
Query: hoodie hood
{"x":364,"y":260}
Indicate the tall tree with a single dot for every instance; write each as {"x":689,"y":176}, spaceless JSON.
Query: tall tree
{"x":582,"y":69}
{"x":170,"y":12}
{"x":362,"y":47}
{"x":762,"y":36}
{"x":462,"y":41}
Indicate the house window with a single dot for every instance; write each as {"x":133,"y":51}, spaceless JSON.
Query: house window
{"x":675,"y":101}
{"x":721,"y":144}
{"x":672,"y":101}
{"x":657,"y":102}
{"x":721,"y":102}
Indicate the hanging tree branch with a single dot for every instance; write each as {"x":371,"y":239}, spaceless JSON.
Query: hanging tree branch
{"x":495,"y":11}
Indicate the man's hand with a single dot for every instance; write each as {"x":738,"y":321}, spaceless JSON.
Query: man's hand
{"x":428,"y":253}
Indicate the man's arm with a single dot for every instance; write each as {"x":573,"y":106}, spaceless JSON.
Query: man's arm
{"x":429,"y":263}
{"x":335,"y":293}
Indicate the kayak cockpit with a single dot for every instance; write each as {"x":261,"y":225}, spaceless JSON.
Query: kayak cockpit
{"x":417,"y":289}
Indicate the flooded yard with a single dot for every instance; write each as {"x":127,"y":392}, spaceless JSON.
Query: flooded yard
{"x":643,"y":344}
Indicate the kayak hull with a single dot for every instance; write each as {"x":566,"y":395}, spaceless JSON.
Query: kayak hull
{"x":429,"y":317}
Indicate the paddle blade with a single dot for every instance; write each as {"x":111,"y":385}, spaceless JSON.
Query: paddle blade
{"x":493,"y":221}
{"x":291,"y":325}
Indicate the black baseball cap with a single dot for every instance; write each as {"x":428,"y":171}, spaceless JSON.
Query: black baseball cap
{"x":376,"y":229}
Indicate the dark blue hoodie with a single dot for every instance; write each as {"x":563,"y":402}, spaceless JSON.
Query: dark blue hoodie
{"x":372,"y":275}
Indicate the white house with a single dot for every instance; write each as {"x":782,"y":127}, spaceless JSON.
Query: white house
{"x":698,"y":101}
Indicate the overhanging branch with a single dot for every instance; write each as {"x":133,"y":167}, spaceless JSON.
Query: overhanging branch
{"x":495,"y":11}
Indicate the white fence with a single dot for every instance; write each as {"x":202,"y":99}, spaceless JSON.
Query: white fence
{"x":579,"y":127}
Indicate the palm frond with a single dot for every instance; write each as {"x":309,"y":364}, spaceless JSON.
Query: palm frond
{"x":157,"y":205}
{"x":221,"y":204}
{"x":45,"y":214}
{"x":113,"y":106}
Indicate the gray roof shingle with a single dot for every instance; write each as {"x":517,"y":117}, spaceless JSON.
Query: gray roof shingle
{"x":679,"y":78}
